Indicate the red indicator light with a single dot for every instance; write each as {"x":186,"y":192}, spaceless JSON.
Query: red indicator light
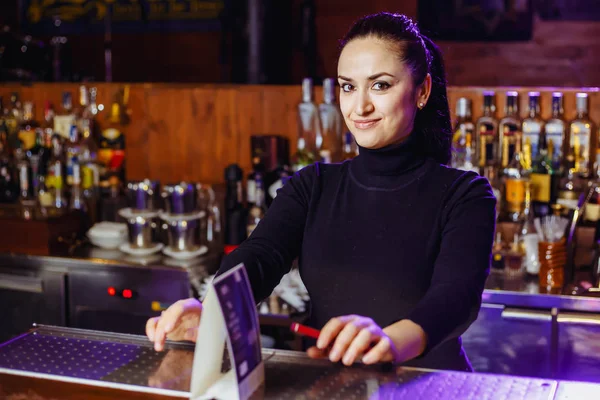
{"x":127,"y":293}
{"x":112,"y":291}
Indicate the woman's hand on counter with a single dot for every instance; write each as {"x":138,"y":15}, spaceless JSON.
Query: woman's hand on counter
{"x":178,"y":322}
{"x":348,"y":337}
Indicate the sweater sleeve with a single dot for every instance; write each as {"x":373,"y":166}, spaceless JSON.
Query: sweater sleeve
{"x":453,"y":300}
{"x":275,"y":242}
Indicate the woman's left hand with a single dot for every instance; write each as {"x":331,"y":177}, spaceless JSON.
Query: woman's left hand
{"x":351,"y":336}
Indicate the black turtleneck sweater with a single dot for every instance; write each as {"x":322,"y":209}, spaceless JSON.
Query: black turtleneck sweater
{"x":390,"y":235}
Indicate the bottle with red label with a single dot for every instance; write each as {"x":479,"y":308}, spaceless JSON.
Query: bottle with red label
{"x":111,"y":147}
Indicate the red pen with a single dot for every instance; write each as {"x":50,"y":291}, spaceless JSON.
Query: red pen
{"x":304,"y":330}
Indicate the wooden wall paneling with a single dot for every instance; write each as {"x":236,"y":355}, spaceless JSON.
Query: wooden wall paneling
{"x":193,"y":132}
{"x":137,"y":146}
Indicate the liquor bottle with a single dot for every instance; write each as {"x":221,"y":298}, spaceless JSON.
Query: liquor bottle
{"x":487,"y":133}
{"x":543,"y":179}
{"x":26,"y":200}
{"x":9,"y":189}
{"x":349,"y":149}
{"x":257,"y":212}
{"x":44,"y":196}
{"x":516,"y":184}
{"x":235,"y":213}
{"x":332,"y":124}
{"x":529,"y":239}
{"x":48,"y":124}
{"x":496,"y":184}
{"x":77,"y":201}
{"x":86,"y":124}
{"x":38,"y":159}
{"x":12,"y":120}
{"x":303,"y":156}
{"x":66,"y":118}
{"x":510,"y":128}
{"x":591,"y":213}
{"x":498,"y":253}
{"x":56,"y":172}
{"x":27,"y":128}
{"x":462,"y":142}
{"x":111,"y":149}
{"x":91,"y":195}
{"x":72,"y":154}
{"x":533,"y":129}
{"x":570,"y":188}
{"x":47,"y":132}
{"x":309,"y":125}
{"x":580,"y":138}
{"x":3,"y":127}
{"x":257,"y":169}
{"x":555,"y":130}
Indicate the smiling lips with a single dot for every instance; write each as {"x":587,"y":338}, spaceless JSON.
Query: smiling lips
{"x":365,"y":123}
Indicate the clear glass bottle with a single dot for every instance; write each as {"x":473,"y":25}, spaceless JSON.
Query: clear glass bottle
{"x":533,"y":129}
{"x":257,"y":212}
{"x":303,"y":156}
{"x":510,"y":128}
{"x":555,"y":130}
{"x":529,"y":240}
{"x":66,"y":118}
{"x":580,"y":138}
{"x":309,"y":125}
{"x":497,"y":187}
{"x":56,"y":169}
{"x":349,"y":150}
{"x":77,"y":201}
{"x":569,"y":190}
{"x":463,"y":145}
{"x":332,"y":124}
{"x":487,"y":132}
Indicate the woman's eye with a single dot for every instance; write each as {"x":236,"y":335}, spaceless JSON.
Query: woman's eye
{"x":381,"y":85}
{"x":346,"y":87}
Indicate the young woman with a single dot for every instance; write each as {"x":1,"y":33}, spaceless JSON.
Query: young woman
{"x":394,"y":246}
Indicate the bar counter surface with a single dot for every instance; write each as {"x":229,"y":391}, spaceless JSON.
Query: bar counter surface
{"x":556,"y":336}
{"x":64,"y":363}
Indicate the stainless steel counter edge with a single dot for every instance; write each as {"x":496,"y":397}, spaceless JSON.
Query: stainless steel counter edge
{"x":64,"y":264}
{"x":542,"y":301}
{"x":514,"y":295}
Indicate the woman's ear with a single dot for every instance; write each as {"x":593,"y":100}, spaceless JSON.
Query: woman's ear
{"x":423,"y":92}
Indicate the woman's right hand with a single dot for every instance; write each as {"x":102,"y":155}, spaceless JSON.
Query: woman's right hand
{"x":178,"y":322}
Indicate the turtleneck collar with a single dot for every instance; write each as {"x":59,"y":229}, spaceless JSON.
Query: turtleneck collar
{"x":389,"y":166}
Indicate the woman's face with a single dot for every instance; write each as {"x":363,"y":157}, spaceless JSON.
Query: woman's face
{"x":377,"y":96}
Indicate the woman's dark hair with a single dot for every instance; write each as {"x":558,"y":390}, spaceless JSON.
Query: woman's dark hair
{"x":422,"y":56}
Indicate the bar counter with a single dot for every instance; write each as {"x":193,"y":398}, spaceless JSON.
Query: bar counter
{"x":64,"y":363}
{"x":519,"y":331}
